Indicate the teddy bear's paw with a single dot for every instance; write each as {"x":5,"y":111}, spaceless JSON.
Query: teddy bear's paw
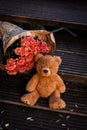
{"x":62,"y":89}
{"x":62,"y":103}
{"x":58,"y":104}
{"x":27,"y":99}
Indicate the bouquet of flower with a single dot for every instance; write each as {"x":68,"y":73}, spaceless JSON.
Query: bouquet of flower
{"x":22,"y":57}
{"x":20,"y":46}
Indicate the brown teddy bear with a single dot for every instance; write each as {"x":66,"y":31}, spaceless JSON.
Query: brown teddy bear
{"x":46,"y":82}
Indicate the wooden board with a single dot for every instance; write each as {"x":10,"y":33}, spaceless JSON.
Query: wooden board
{"x":71,"y":14}
{"x":13,"y":117}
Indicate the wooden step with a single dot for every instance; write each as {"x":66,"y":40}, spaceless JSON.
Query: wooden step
{"x":14,"y":117}
{"x":71,"y":14}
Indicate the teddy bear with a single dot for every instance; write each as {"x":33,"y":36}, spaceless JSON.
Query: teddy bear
{"x":46,"y":83}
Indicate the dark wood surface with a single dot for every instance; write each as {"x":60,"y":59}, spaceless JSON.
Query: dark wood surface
{"x":73,"y":51}
{"x":23,"y":118}
{"x":15,"y":115}
{"x":69,"y":13}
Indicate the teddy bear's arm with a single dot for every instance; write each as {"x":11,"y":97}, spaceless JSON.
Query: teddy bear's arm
{"x":31,"y":85}
{"x":60,"y":84}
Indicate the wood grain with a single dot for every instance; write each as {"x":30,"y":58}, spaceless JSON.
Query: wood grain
{"x":71,"y":14}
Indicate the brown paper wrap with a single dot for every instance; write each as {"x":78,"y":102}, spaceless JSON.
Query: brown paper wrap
{"x":9,"y":33}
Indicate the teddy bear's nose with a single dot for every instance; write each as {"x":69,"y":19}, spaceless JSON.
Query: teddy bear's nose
{"x":45,"y":71}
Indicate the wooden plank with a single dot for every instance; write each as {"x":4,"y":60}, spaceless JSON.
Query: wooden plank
{"x":71,"y":14}
{"x":43,"y":108}
{"x":73,"y":51}
{"x":71,"y":70}
{"x":16,"y":117}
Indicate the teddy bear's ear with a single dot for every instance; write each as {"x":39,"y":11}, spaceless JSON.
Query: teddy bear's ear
{"x":58,"y":59}
{"x":38,"y":56}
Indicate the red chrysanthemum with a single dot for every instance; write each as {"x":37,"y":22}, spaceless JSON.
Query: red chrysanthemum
{"x":29,"y":47}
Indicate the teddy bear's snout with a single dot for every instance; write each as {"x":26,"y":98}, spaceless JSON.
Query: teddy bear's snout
{"x":46,"y":70}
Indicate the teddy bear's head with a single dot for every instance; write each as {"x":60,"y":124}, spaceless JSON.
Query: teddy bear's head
{"x":47,"y":65}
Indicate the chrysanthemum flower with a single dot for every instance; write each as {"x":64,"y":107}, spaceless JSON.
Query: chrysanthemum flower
{"x":29,"y":47}
{"x":20,"y":61}
{"x":11,"y":64}
{"x":29,"y":57}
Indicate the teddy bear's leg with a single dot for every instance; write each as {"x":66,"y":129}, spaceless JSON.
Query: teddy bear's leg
{"x":55,"y":102}
{"x":30,"y":98}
